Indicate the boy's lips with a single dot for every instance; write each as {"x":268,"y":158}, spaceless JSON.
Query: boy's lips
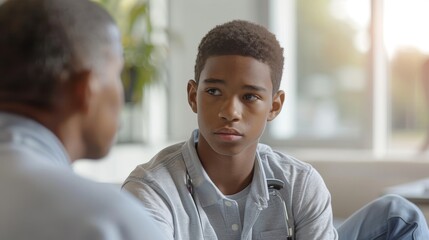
{"x":228,"y":131}
{"x":228,"y":134}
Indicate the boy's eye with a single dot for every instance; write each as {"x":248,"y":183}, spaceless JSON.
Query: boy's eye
{"x":213,"y":91}
{"x":250,"y":97}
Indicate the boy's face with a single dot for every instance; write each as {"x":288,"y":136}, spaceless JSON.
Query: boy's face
{"x":234,"y":101}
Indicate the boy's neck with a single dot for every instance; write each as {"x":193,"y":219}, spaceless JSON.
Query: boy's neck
{"x":230,"y":174}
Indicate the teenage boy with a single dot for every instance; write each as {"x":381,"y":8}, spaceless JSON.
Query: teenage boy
{"x":60,"y":99}
{"x":222,"y":183}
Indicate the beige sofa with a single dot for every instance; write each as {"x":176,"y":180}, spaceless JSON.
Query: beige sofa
{"x":354,"y":183}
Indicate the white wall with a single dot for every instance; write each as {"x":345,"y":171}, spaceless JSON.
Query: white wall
{"x":189,"y":21}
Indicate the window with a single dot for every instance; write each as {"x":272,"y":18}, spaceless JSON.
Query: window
{"x":407,"y":47}
{"x":326,"y":73}
{"x":353,"y":74}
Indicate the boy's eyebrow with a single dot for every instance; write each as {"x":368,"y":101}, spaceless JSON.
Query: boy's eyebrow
{"x":223,"y":82}
{"x":214,"y":80}
{"x":255,"y":88}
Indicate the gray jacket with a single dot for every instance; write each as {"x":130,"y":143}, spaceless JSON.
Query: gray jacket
{"x":200,"y":211}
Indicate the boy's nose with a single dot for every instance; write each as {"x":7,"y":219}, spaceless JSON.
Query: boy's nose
{"x":230,"y":110}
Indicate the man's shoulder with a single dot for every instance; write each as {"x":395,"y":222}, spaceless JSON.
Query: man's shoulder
{"x":64,"y":187}
{"x":94,"y":199}
{"x":69,"y":202}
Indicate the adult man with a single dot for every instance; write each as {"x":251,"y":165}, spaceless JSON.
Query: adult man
{"x":60,"y":97}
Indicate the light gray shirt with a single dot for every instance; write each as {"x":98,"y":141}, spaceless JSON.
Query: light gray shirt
{"x":42,"y":199}
{"x":193,"y":211}
{"x":239,"y":199}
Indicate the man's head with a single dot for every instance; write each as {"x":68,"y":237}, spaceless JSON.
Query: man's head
{"x":242,"y":38}
{"x":64,"y":58}
{"x":236,"y":90}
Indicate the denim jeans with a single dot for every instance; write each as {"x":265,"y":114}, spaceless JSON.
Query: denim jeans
{"x":389,"y":217}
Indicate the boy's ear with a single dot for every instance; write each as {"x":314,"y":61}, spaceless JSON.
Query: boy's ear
{"x":192,"y":95}
{"x":277,"y":105}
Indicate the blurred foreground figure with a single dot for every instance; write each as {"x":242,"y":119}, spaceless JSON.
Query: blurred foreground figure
{"x":60,"y":98}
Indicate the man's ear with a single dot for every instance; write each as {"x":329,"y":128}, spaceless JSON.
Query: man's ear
{"x":81,"y":89}
{"x":192,"y":95}
{"x":277,"y":105}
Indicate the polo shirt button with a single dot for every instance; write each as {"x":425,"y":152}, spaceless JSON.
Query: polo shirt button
{"x":228,"y":203}
{"x":234,"y":227}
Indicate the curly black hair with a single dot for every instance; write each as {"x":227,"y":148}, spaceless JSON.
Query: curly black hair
{"x":239,"y":37}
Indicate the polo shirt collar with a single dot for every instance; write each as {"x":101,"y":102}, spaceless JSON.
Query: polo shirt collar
{"x":208,"y":193}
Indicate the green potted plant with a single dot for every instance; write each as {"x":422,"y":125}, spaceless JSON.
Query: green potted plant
{"x":134,"y":21}
{"x":142,"y":61}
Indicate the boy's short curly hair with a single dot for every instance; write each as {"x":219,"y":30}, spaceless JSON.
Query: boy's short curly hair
{"x":239,"y":37}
